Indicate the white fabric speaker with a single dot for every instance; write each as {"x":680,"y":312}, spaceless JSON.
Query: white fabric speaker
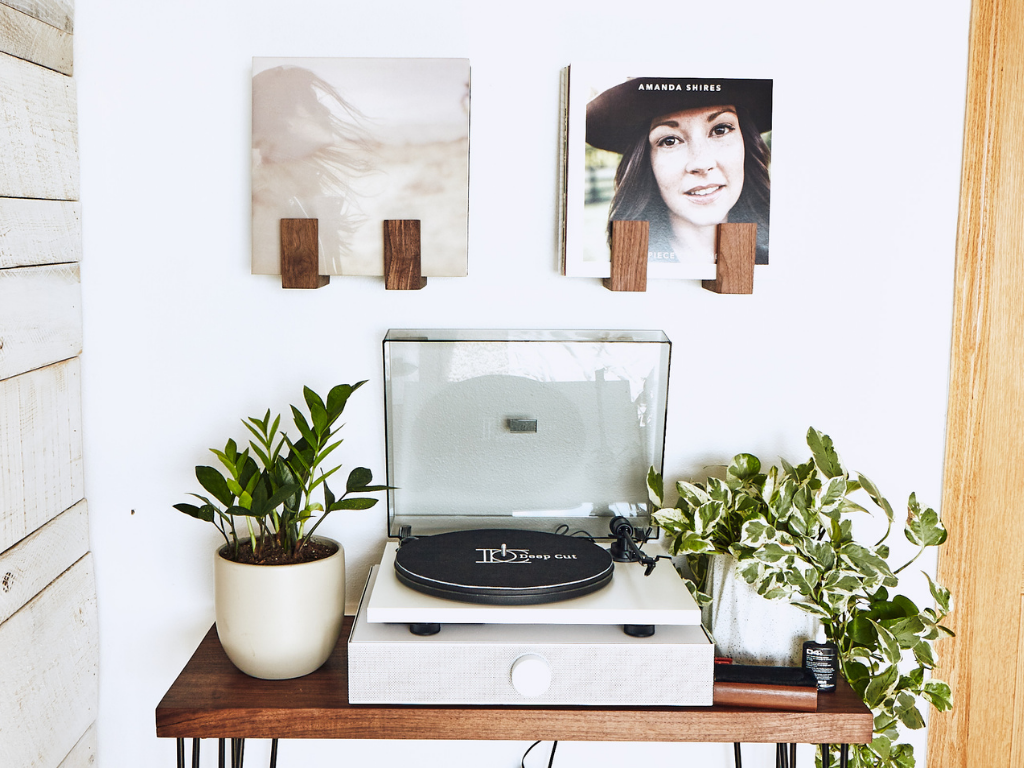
{"x":483,"y":663}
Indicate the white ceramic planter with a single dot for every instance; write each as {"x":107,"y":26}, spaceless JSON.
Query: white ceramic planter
{"x":277,"y":622}
{"x":750,"y":628}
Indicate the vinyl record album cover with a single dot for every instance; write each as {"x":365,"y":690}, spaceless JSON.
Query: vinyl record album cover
{"x":684,"y":153}
{"x":354,"y":142}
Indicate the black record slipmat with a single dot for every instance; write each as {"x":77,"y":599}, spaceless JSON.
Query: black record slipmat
{"x":503,"y":567}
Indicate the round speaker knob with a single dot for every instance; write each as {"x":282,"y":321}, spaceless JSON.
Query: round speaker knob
{"x":531,"y":675}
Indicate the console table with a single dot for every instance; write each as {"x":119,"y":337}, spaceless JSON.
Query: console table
{"x":212,"y":699}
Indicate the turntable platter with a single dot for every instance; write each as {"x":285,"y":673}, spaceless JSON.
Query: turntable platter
{"x":503,"y":567}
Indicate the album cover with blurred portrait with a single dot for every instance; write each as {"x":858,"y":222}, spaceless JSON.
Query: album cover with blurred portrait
{"x":353,"y":142}
{"x":683,"y":153}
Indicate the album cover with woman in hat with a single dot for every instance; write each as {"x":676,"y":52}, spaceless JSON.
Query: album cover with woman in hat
{"x":685,"y":154}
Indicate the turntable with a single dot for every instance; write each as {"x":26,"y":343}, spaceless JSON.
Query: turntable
{"x":520,"y":566}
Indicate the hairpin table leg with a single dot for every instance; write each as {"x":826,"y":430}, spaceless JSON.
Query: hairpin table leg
{"x":792,"y":756}
{"x":195,"y":753}
{"x":844,"y":754}
{"x":220,"y":753}
{"x":181,"y":753}
{"x":237,"y":753}
{"x":273,"y":754}
{"x":737,"y":755}
{"x":826,"y":756}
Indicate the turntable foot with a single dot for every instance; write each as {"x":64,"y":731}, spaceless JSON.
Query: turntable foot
{"x":424,"y":629}
{"x":638,"y":630}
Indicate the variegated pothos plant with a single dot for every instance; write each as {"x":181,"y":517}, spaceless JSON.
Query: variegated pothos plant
{"x":791,"y":532}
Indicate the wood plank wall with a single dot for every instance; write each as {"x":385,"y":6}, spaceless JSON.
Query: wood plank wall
{"x":983,"y":494}
{"x":48,"y":623}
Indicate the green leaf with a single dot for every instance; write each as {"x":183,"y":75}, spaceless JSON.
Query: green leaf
{"x":204,"y":513}
{"x":756,"y":533}
{"x":822,"y":554}
{"x":907,"y":631}
{"x":655,"y":488}
{"x":814,"y":610}
{"x":358,"y":478}
{"x":925,"y":654}
{"x":258,"y":504}
{"x":868,"y":563}
{"x":939,"y":695}
{"x":214,"y":482}
{"x":718,"y":490}
{"x":744,"y":466}
{"x":903,"y":756}
{"x":939,"y":593}
{"x":924,"y":528}
{"x":832,"y":494}
{"x":280,"y":496}
{"x":237,"y":510}
{"x":772,"y":553}
{"x":750,"y":570}
{"x":707,"y":517}
{"x":692,"y":495}
{"x":314,"y":403}
{"x":338,"y":397}
{"x":862,"y":631}
{"x":881,"y":746}
{"x":908,"y":713}
{"x":357,"y":503}
{"x":699,"y":597}
{"x":825,"y":457}
{"x":876,"y":496}
{"x":880,"y":686}
{"x":883,"y":610}
{"x":223,"y":457}
{"x":669,"y":519}
{"x":857,"y":675}
{"x":907,"y":605}
{"x":889,"y":644}
{"x":303,"y":427}
{"x":691,"y":543}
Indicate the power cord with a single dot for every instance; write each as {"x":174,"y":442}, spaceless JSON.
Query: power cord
{"x":551,"y":760}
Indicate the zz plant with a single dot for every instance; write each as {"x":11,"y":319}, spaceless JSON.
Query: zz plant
{"x":280,"y":487}
{"x":791,"y":532}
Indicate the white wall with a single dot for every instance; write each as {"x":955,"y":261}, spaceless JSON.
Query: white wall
{"x":848,"y":329}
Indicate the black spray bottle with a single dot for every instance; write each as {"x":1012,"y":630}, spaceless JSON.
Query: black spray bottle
{"x":821,"y":656}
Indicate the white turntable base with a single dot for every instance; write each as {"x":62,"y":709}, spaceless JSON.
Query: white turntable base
{"x":528,"y":664}
{"x":631,"y":598}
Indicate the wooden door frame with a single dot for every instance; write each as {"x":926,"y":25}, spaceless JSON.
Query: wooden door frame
{"x":983,"y":485}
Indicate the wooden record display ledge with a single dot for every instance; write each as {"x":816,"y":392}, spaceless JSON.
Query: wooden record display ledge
{"x":300,"y":255}
{"x":212,"y":699}
{"x":735,"y":253}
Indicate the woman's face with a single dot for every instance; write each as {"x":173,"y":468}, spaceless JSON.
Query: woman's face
{"x":697,"y":159}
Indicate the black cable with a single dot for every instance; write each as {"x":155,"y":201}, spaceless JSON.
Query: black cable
{"x":551,"y":760}
{"x":564,"y":530}
{"x":522,"y":763}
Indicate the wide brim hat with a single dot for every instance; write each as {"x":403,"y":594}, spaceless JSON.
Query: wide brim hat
{"x":616,"y":117}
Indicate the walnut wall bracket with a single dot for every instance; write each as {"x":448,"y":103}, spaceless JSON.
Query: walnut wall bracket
{"x":402,"y":268}
{"x":300,"y":254}
{"x":735,"y":248}
{"x":629,"y":256}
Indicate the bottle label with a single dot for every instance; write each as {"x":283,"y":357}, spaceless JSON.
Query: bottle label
{"x":824,"y":664}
